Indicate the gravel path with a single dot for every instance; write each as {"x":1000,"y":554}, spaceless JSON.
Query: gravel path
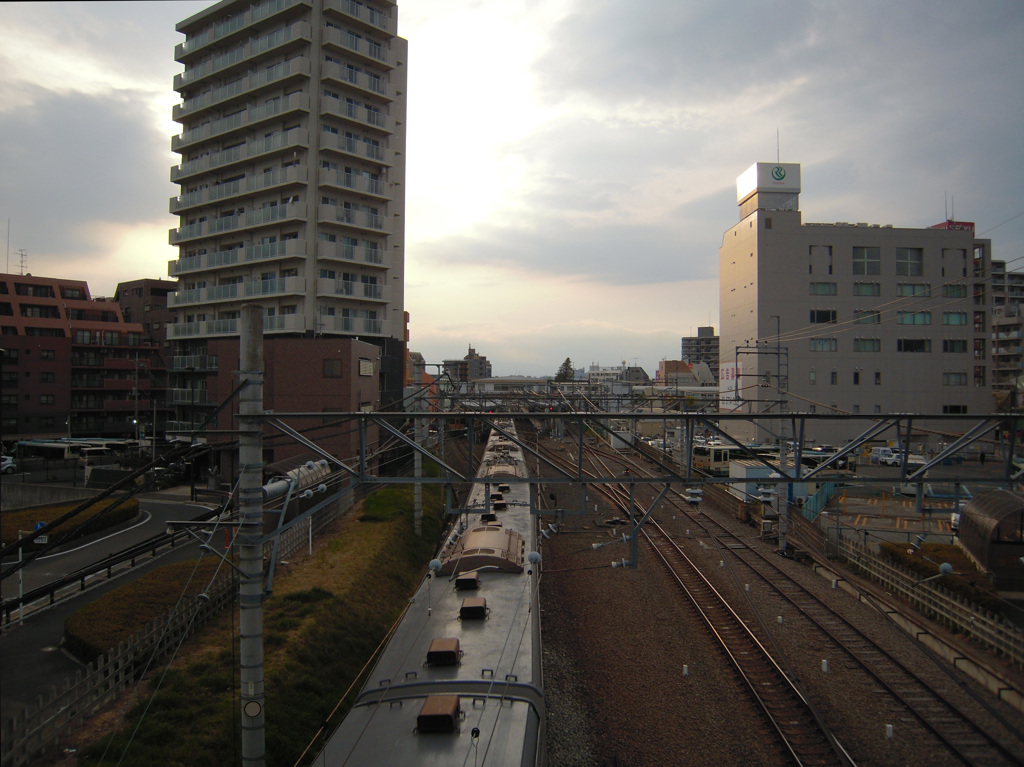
{"x":633,"y":678}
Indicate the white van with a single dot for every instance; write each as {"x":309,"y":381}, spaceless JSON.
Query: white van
{"x":885,"y":456}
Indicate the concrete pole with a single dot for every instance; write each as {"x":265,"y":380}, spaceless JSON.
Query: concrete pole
{"x":417,"y":488}
{"x":250,"y":530}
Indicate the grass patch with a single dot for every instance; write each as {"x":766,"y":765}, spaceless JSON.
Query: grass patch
{"x":327,"y":615}
{"x":92,"y":519}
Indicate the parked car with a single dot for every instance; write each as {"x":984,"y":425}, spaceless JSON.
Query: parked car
{"x":9,"y":465}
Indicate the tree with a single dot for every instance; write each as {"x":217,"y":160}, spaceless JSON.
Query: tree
{"x":566,"y":372}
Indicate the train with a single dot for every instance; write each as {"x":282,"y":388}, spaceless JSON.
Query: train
{"x":460,"y":681}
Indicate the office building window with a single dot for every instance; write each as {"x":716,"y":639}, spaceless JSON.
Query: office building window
{"x":913,"y":290}
{"x":913,"y":318}
{"x":878,"y":378}
{"x":867,"y":261}
{"x":823,"y":316}
{"x":365,"y":367}
{"x":954,"y":379}
{"x":812,"y":377}
{"x":909,"y":262}
{"x":954,"y":346}
{"x":867,"y":289}
{"x":332,"y":368}
{"x":856,"y":378}
{"x":867,"y":344}
{"x":954,"y":291}
{"x":833,"y":378}
{"x":823,"y":288}
{"x":867,"y":317}
{"x":954,"y":409}
{"x":913,"y":345}
{"x":954,"y":318}
{"x":823,"y":344}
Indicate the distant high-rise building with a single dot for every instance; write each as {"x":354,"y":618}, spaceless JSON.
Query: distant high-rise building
{"x":702,"y":347}
{"x":292,"y":196}
{"x":470,"y":368}
{"x":849,"y":318}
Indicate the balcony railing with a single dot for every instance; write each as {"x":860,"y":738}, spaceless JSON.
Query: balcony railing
{"x":230,"y":26}
{"x":292,"y":323}
{"x":296,"y":137}
{"x":294,"y":174}
{"x":196,"y":362}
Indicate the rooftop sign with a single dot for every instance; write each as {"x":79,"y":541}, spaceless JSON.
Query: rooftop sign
{"x":768,"y":177}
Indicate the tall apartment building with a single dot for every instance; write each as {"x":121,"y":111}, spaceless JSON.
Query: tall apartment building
{"x":70,"y":364}
{"x":470,"y":368}
{"x":1007,"y":334}
{"x":702,"y":347}
{"x":292,"y":196}
{"x":849,"y":318}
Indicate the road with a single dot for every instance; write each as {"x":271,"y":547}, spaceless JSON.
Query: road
{"x":32,"y":661}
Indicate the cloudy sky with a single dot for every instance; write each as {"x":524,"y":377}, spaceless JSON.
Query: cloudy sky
{"x":572,"y":163}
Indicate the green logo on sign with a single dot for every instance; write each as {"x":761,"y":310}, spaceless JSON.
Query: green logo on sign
{"x":778,"y":173}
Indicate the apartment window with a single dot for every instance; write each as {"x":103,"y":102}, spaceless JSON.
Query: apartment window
{"x":365,"y":367}
{"x":954,"y":346}
{"x":979,"y":348}
{"x":979,"y":322}
{"x":47,"y":354}
{"x":289,"y":309}
{"x":823,"y":344}
{"x":954,"y":318}
{"x":913,"y":318}
{"x":328,"y":274}
{"x":855,"y":409}
{"x":867,"y":260}
{"x":954,"y":291}
{"x":833,"y":378}
{"x":823,"y":316}
{"x":913,"y":290}
{"x":877,"y":409}
{"x":327,"y":237}
{"x":856,"y":378}
{"x":979,"y":375}
{"x":867,"y":345}
{"x":332,"y":369}
{"x":867,"y":289}
{"x":954,"y":409}
{"x":867,"y":316}
{"x":909,"y":262}
{"x":954,"y":379}
{"x":823,"y":288}
{"x":878,"y":378}
{"x":913,"y":344}
{"x":47,"y":377}
{"x":46,"y":399}
{"x":812,"y":377}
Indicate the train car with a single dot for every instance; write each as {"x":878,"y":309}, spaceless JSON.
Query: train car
{"x":460,"y":680}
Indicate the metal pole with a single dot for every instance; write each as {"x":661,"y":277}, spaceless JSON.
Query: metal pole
{"x":250,"y":530}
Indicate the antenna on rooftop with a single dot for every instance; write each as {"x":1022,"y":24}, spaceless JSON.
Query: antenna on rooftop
{"x":23,"y":259}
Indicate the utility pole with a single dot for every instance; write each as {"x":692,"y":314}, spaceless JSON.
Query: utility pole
{"x":250,"y":531}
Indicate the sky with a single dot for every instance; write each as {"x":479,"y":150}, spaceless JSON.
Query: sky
{"x":572,"y":164}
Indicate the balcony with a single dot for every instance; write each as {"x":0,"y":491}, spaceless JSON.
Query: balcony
{"x":369,"y":18}
{"x":370,"y":51}
{"x":289,"y":323}
{"x":356,"y":219}
{"x":353,"y":182}
{"x":357,"y":114}
{"x":187,"y":397}
{"x":354,"y":325}
{"x":297,"y":137}
{"x":295,"y":174}
{"x":334,"y":251}
{"x":365,"y":151}
{"x":127,"y":405}
{"x":235,"y":291}
{"x":296,"y":67}
{"x":297,"y":102}
{"x":193,"y":363}
{"x":231,"y":27}
{"x":366,"y":82}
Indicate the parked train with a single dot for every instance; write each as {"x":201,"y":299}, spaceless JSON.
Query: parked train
{"x":460,"y":680}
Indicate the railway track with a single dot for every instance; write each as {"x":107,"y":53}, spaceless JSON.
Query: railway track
{"x":800,"y":728}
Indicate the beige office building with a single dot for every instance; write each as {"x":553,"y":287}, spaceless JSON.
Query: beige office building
{"x":848,"y":317}
{"x":292,"y":177}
